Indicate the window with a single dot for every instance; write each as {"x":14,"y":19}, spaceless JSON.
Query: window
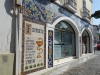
{"x":64,"y":40}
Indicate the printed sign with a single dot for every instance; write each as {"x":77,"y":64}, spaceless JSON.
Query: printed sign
{"x":33,"y":47}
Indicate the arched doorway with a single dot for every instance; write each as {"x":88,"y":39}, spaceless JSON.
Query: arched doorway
{"x":85,"y":42}
{"x":65,"y":27}
{"x":64,"y":40}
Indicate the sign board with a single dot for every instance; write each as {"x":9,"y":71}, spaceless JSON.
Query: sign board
{"x":33,"y":35}
{"x":33,"y":47}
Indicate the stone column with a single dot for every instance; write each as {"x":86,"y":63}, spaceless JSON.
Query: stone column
{"x":77,"y":46}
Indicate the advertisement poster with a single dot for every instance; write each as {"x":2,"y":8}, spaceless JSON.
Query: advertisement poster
{"x":33,"y":47}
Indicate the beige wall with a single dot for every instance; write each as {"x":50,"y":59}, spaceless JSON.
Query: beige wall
{"x":89,"y":5}
{"x":6,"y":64}
{"x":80,"y":5}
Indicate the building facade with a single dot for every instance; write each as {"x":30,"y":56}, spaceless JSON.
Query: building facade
{"x":48,"y":33}
{"x":67,"y":32}
{"x":96,"y":33}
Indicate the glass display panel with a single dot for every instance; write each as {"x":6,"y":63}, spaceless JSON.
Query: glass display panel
{"x":57,"y":39}
{"x":67,"y":50}
{"x":64,"y":41}
{"x":66,"y":38}
{"x":57,"y":51}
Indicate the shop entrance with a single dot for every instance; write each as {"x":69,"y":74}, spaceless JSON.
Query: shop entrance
{"x":64,"y":41}
{"x":85,"y":42}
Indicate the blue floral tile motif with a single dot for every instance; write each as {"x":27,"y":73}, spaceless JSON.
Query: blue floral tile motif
{"x":50,"y":48}
{"x":34,"y":10}
{"x":54,"y":12}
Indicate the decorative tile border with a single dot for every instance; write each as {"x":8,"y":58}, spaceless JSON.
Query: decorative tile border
{"x":50,"y":48}
{"x":54,"y":11}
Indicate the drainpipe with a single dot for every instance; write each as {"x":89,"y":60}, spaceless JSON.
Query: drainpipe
{"x":15,"y":12}
{"x":17,"y":48}
{"x":18,"y":41}
{"x":16,"y":5}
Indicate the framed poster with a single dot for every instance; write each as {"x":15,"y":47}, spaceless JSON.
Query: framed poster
{"x":33,"y":47}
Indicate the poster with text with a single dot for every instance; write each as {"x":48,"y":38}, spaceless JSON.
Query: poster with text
{"x":33,"y":47}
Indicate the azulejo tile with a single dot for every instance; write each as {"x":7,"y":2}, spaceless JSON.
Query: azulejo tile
{"x":50,"y":48}
{"x":34,"y":10}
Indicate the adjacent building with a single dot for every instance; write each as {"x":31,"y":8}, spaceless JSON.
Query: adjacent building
{"x":48,"y":33}
{"x":96,"y":33}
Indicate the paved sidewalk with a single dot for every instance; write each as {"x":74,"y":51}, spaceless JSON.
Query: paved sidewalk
{"x":91,"y":67}
{"x":87,"y":65}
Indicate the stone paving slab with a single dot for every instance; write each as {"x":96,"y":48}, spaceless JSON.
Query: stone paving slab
{"x":91,"y":67}
{"x":80,"y":66}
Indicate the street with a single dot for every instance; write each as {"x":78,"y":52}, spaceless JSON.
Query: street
{"x":91,"y":67}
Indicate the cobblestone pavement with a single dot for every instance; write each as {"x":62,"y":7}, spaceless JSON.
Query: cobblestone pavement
{"x":91,"y":67}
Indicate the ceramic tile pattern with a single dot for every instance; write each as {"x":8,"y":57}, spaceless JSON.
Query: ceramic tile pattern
{"x":40,"y":32}
{"x":34,"y":10}
{"x":44,"y":11}
{"x":50,"y":48}
{"x":56,"y":11}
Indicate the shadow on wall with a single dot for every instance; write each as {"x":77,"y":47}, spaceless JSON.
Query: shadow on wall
{"x":9,"y":7}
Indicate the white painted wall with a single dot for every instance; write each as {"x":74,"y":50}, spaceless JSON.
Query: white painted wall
{"x":7,"y":27}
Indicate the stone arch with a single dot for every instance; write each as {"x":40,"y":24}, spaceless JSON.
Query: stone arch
{"x":70,"y":21}
{"x":76,"y":30}
{"x":90,"y":38}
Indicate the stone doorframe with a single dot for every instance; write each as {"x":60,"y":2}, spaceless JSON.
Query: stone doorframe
{"x":91,"y":40}
{"x":75,"y":28}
